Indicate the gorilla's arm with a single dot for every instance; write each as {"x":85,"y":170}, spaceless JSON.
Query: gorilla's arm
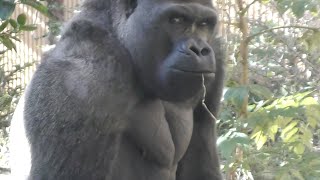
{"x":201,"y":159}
{"x":68,"y":118}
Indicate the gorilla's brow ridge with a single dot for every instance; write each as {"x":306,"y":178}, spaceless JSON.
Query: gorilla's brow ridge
{"x":194,"y":12}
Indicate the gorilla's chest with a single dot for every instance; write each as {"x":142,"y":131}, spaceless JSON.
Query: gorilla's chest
{"x":180,"y":122}
{"x":162,"y":131}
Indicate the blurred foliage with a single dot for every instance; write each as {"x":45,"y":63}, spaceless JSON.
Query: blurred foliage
{"x":279,"y":137}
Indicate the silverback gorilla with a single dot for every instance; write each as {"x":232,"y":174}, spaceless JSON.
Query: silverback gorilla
{"x":120,"y":96}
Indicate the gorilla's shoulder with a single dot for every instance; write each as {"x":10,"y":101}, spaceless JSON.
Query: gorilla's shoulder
{"x":84,"y":29}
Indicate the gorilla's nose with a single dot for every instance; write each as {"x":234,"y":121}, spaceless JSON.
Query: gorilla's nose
{"x":199,"y":48}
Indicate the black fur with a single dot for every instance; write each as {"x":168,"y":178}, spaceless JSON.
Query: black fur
{"x":119,"y":98}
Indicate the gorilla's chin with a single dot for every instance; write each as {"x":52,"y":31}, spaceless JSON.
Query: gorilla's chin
{"x":177,"y":85}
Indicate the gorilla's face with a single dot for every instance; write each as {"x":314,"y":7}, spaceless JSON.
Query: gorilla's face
{"x":169,"y":42}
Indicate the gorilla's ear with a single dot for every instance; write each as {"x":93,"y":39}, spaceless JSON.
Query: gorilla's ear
{"x":130,"y":6}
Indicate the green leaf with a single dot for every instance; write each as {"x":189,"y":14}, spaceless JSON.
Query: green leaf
{"x":306,"y":135}
{"x":240,"y":138}
{"x":22,"y":19}
{"x":273,"y":131}
{"x":6,"y":8}
{"x":28,"y":27}
{"x":283,"y":121}
{"x":288,"y":129}
{"x":260,"y":91}
{"x":283,"y":5}
{"x":314,"y":10}
{"x":289,"y":137}
{"x":313,"y":114}
{"x":308,"y":101}
{"x":311,"y":40}
{"x":13,"y":23}
{"x":236,"y":95}
{"x":225,"y":146}
{"x":4,"y":25}
{"x":260,"y":139}
{"x":299,"y":8}
{"x":228,"y":142}
{"x":38,"y":6}
{"x":8,"y":43}
{"x":299,"y":148}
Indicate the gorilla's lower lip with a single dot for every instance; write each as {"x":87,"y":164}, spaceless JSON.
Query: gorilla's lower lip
{"x":193,"y":71}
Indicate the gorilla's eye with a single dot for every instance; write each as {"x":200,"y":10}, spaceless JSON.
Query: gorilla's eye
{"x":207,"y":22}
{"x":177,"y":19}
{"x":203,"y":23}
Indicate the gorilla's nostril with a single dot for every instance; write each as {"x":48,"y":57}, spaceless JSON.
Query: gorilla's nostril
{"x":205,"y":51}
{"x":195,"y":50}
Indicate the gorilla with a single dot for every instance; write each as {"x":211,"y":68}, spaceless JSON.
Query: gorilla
{"x":129,"y":93}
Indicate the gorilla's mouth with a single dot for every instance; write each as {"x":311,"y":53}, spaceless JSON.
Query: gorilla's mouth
{"x":192,"y":71}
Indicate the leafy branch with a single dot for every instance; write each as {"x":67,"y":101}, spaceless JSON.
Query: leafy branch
{"x":249,"y":38}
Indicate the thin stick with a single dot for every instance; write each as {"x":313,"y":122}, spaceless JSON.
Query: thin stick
{"x":203,"y":99}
